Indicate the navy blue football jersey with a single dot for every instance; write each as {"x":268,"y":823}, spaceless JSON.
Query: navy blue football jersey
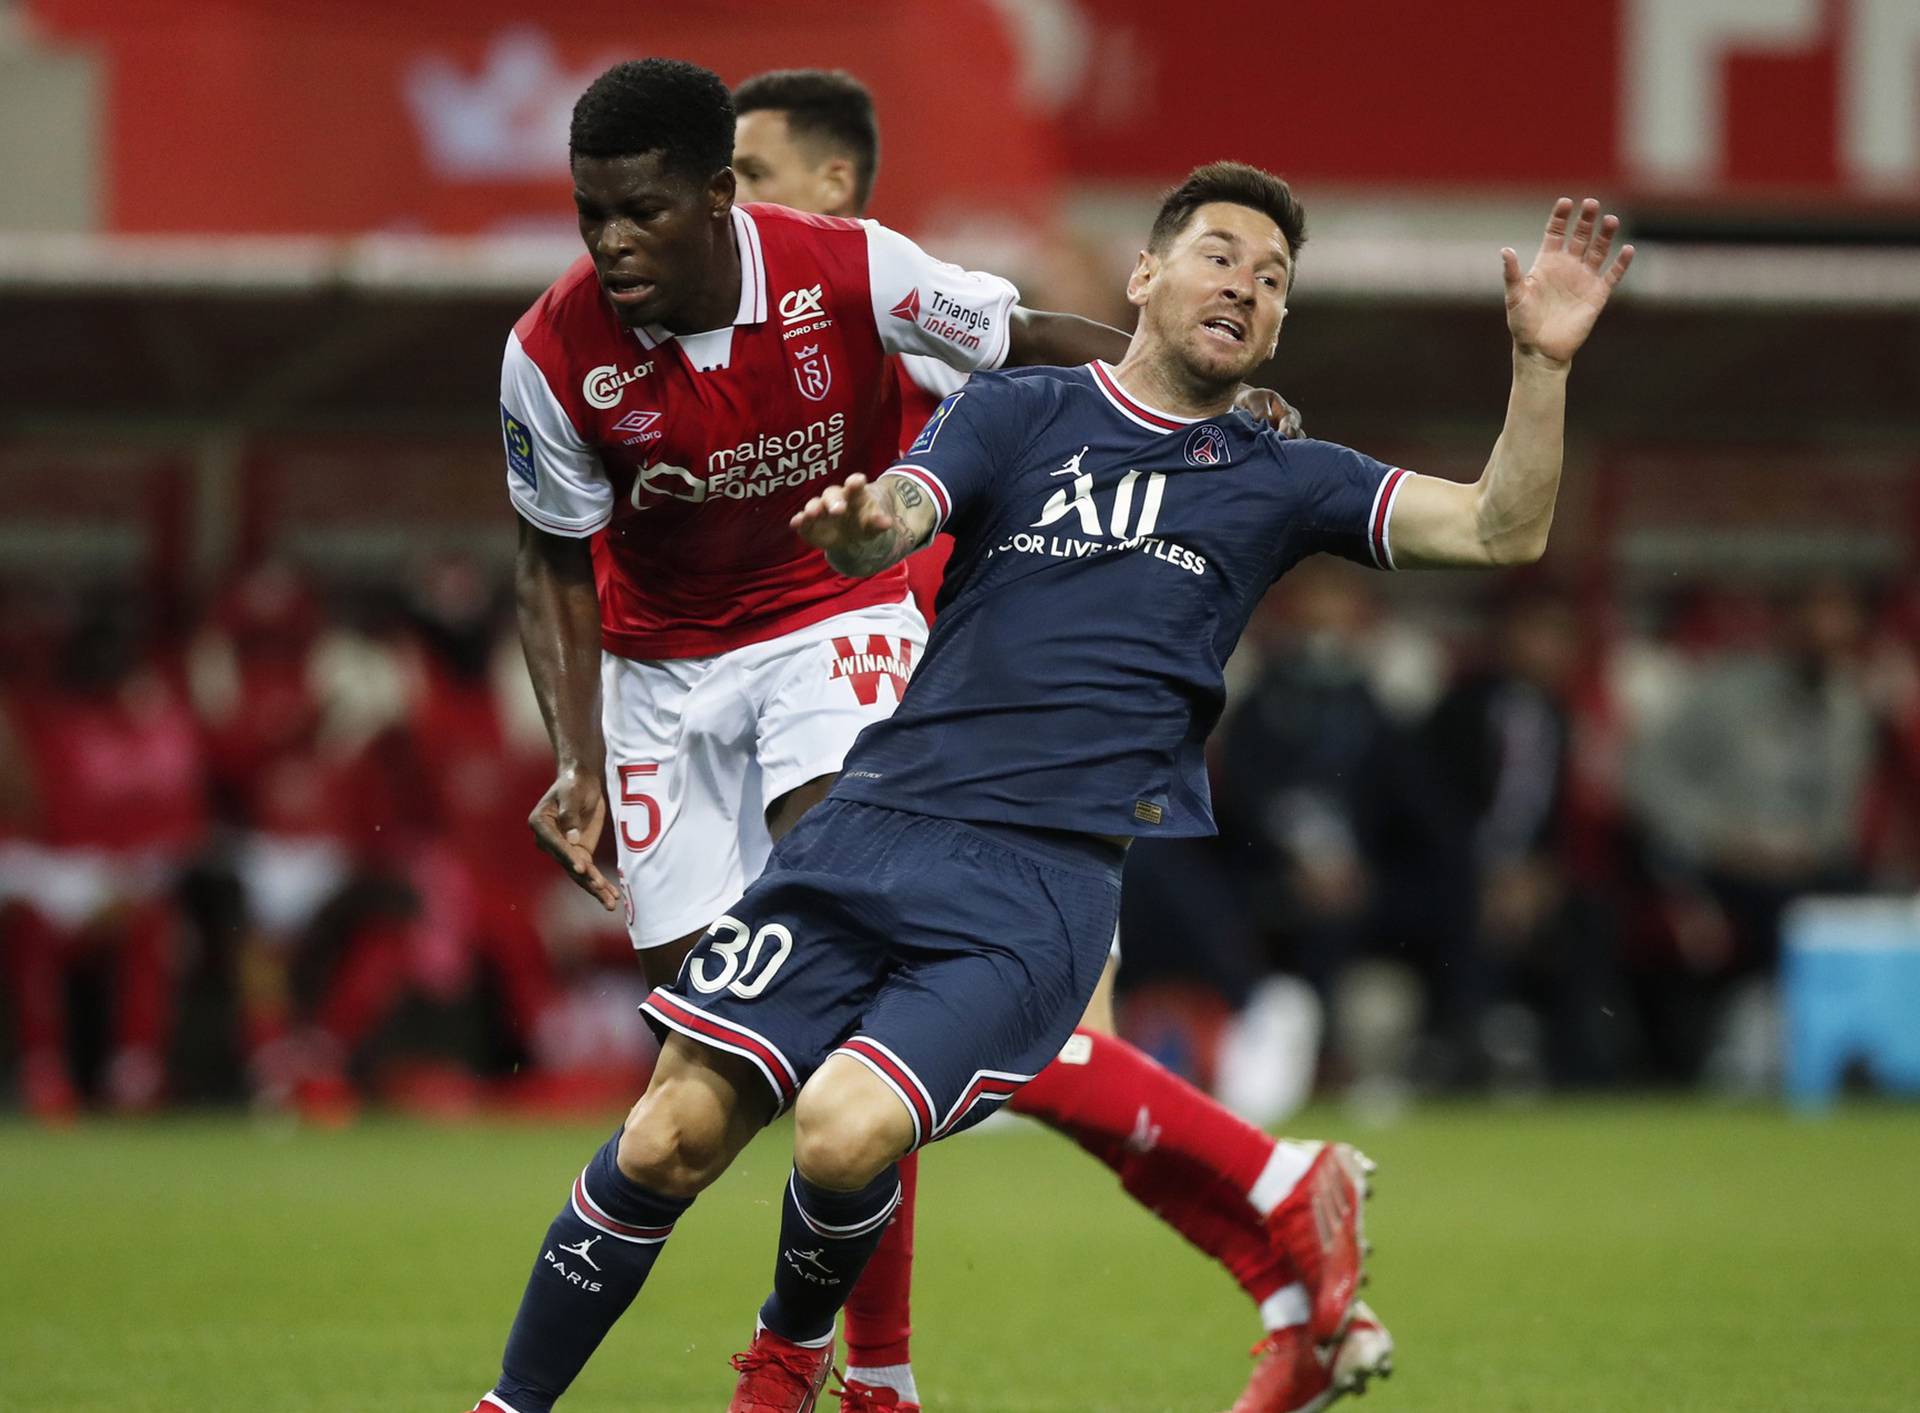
{"x":1107,"y":558}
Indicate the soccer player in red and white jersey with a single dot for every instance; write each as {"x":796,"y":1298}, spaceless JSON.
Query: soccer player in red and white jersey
{"x":667,"y":406}
{"x":808,"y":139}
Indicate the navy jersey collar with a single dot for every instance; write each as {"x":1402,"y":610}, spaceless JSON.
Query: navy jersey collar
{"x":1131,"y":407}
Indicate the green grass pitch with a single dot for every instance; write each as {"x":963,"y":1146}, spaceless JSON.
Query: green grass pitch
{"x":1604,"y":1257}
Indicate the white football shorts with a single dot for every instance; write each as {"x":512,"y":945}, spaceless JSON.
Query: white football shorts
{"x":698,"y":748}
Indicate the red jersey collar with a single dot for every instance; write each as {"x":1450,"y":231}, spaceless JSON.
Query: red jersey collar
{"x":753,"y":282}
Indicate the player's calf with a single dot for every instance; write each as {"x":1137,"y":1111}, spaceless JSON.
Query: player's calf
{"x":849,"y":1132}
{"x":826,"y":1237}
{"x":878,"y":1316}
{"x":596,"y":1255}
{"x":698,"y":1113}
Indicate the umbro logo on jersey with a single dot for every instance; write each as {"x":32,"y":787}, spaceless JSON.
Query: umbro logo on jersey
{"x":606,"y":385}
{"x":908,"y":308}
{"x":798,"y":306}
{"x":639,"y":427}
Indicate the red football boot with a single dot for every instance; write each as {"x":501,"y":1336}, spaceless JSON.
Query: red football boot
{"x":779,"y":1376}
{"x":490,"y":1404}
{"x":1319,"y":1229}
{"x":1293,"y":1375}
{"x":856,"y":1397}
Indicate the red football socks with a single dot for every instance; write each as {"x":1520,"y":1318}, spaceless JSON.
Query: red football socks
{"x":1177,"y":1152}
{"x":878,"y":1312}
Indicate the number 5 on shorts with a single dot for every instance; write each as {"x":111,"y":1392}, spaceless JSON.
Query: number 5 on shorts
{"x":746,"y":977}
{"x":630,"y":796}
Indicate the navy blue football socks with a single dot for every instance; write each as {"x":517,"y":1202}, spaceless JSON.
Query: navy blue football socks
{"x":825,"y":1240}
{"x":595,"y":1259}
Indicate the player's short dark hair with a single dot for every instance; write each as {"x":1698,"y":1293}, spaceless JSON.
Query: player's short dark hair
{"x":1243,"y":186}
{"x":669,"y":106}
{"x":829,"y":105}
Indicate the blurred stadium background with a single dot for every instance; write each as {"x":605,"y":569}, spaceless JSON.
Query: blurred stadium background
{"x":1646,"y":818}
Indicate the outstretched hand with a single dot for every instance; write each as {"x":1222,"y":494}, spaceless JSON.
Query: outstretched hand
{"x":1552,"y":308}
{"x":846,"y":514}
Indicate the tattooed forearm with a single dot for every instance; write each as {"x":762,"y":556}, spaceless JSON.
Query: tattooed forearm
{"x":869,"y":556}
{"x":884,"y":548}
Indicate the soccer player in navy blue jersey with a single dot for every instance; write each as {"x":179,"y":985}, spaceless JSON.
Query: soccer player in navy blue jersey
{"x":809,"y":139}
{"x":922,"y":943}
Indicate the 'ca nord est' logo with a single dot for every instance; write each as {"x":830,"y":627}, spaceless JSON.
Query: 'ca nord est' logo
{"x":801,"y":304}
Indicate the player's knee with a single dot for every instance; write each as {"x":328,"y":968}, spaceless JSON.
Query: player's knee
{"x":845,"y":1133}
{"x":670,"y":1146}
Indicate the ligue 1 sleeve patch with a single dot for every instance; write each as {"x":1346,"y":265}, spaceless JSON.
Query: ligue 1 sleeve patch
{"x":930,"y":433}
{"x":519,"y":448}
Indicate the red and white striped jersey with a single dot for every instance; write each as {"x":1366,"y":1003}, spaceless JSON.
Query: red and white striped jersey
{"x":685,"y":456}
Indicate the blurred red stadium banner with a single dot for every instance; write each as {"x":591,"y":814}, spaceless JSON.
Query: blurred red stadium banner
{"x":450,"y":115}
{"x":340,"y":116}
{"x":1762,"y":98}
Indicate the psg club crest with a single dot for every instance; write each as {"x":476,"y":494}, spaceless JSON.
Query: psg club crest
{"x":1207,"y":446}
{"x":812,"y":371}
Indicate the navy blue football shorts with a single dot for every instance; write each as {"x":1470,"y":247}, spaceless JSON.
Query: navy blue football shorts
{"x":951,"y":959}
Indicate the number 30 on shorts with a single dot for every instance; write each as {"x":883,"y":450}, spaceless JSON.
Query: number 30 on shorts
{"x":746,"y":963}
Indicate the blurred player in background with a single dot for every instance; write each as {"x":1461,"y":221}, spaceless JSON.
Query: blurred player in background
{"x":808,"y":138}
{"x":924,"y":942}
{"x":103,"y":775}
